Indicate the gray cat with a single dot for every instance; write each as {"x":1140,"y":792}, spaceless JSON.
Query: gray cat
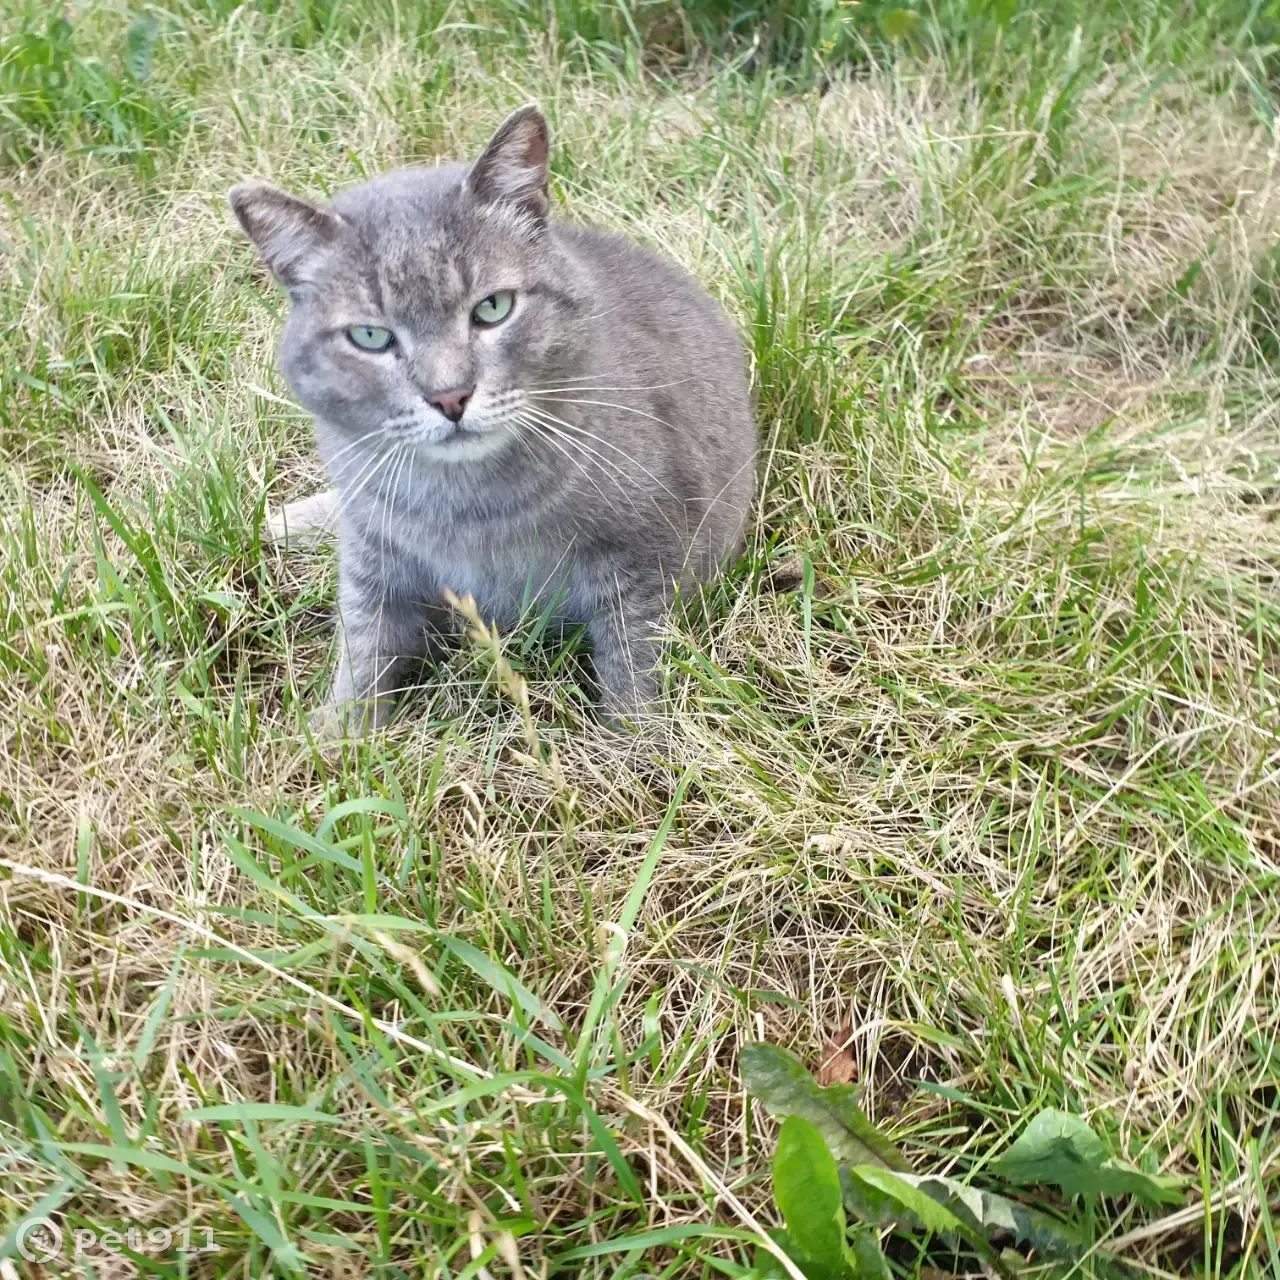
{"x":535,"y":414}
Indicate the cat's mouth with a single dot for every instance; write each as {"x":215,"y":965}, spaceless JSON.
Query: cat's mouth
{"x":442,"y":433}
{"x":460,"y":441}
{"x":456,"y":432}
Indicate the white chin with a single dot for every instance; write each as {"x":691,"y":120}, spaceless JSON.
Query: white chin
{"x":461,"y":445}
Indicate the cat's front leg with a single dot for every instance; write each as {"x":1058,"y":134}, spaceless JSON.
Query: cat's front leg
{"x":309,"y":522}
{"x":625,"y":649}
{"x":378,"y":637}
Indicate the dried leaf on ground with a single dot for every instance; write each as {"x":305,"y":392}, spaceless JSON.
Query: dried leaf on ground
{"x":836,"y":1066}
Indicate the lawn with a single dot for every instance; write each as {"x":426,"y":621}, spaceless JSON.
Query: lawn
{"x":969,"y":778}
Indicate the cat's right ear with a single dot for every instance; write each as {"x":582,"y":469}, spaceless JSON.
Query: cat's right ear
{"x":290,"y":233}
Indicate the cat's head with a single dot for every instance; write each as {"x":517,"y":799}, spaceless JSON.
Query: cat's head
{"x":426,"y":300}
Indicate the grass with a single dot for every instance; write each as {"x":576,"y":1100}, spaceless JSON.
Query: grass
{"x":973,"y":762}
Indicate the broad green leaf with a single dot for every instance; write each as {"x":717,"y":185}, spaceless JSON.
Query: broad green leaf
{"x":767,"y":1267}
{"x":781,"y":1082}
{"x":806,"y":1185}
{"x":881,"y":1197}
{"x":868,"y":1258}
{"x":1061,"y":1150}
{"x":870,"y":1205}
{"x":988,"y":1213}
{"x":922,"y":1211}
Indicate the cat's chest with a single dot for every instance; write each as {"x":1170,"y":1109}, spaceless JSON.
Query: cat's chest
{"x":511,"y":571}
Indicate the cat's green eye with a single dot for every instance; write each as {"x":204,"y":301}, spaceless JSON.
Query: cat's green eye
{"x":494,"y":309}
{"x":368,"y":337}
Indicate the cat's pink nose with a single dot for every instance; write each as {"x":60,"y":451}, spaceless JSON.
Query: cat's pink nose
{"x":452,"y":403}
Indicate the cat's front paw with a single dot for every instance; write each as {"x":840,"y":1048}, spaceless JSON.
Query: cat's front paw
{"x":626,"y":714}
{"x":302,"y":525}
{"x":338,"y":720}
{"x":328,"y":723}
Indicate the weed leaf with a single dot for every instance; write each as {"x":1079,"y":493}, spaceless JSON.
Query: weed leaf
{"x":887,"y":1187}
{"x":284,"y":1253}
{"x":781,"y":1082}
{"x":139,"y":44}
{"x":806,"y":1185}
{"x":1061,"y":1150}
{"x":298,"y":839}
{"x":988,"y":1213}
{"x":140,"y":1157}
{"x":868,"y":1258}
{"x":898,"y":24}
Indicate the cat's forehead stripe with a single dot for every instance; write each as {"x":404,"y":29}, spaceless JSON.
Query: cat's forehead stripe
{"x":426,"y":275}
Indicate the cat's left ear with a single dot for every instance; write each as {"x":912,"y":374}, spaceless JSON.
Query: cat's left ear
{"x":512,"y":169}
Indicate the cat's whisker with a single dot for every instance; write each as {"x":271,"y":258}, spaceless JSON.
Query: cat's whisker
{"x":602,"y":315}
{"x":586,"y":377}
{"x":347,"y":495}
{"x":390,"y":463}
{"x":556,"y":391}
{"x":370,"y":437}
{"x":392,"y":492}
{"x":348,"y":492}
{"x":577,"y":434}
{"x":608,"y":444}
{"x":612,"y":469}
{"x":544,"y":433}
{"x":570,"y":386}
{"x":547,"y":434}
{"x":377,"y":501}
{"x":332,"y":461}
{"x":367,"y":476}
{"x":393,"y":462}
{"x":604,"y":404}
{"x":521,"y":437}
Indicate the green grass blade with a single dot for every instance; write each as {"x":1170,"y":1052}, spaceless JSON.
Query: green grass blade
{"x":604,"y":990}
